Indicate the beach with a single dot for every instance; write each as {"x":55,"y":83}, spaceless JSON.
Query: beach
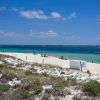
{"x":94,"y":68}
{"x":41,"y":73}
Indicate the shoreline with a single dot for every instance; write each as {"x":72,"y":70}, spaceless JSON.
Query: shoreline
{"x":94,"y":68}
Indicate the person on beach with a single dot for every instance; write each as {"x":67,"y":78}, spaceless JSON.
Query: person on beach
{"x":26,"y":57}
{"x":62,"y":57}
{"x":81,"y":65}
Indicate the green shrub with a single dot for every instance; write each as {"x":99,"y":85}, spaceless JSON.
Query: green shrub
{"x":1,"y":66}
{"x":45,"y":74}
{"x":37,"y":87}
{"x":88,"y":72}
{"x":4,"y":87}
{"x":93,"y":88}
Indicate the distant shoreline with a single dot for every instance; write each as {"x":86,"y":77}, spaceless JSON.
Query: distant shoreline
{"x":79,"y":52}
{"x":38,"y":58}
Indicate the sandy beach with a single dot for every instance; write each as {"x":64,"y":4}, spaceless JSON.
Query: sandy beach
{"x":94,"y":68}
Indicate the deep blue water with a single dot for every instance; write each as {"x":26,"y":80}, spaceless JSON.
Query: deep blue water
{"x":87,"y":53}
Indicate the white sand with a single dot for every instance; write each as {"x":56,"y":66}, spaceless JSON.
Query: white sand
{"x":94,"y":68}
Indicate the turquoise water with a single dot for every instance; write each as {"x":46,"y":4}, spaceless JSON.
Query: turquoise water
{"x":87,"y":53}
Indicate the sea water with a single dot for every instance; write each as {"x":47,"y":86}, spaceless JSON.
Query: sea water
{"x":77,"y":52}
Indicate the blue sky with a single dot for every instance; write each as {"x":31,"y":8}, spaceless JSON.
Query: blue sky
{"x":50,"y":22}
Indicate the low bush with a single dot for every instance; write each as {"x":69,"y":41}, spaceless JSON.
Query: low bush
{"x":92,"y":88}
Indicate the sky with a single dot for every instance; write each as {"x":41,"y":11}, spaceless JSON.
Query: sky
{"x":50,"y":22}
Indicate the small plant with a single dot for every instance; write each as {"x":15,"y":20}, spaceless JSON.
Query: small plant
{"x":62,"y":73}
{"x":4,"y":87}
{"x":88,"y":72}
{"x":45,"y":74}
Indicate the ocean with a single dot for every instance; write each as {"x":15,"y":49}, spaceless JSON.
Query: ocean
{"x":77,"y":52}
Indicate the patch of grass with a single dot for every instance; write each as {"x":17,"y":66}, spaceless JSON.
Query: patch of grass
{"x":93,"y":88}
{"x":4,"y":87}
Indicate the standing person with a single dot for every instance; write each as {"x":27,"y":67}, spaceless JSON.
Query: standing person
{"x":42,"y":61}
{"x":26,"y":57}
{"x":81,"y":65}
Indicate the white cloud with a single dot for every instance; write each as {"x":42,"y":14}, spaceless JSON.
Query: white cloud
{"x":72,"y":15}
{"x":49,"y":33}
{"x":54,"y":34}
{"x":39,"y":14}
{"x":55,"y":15}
